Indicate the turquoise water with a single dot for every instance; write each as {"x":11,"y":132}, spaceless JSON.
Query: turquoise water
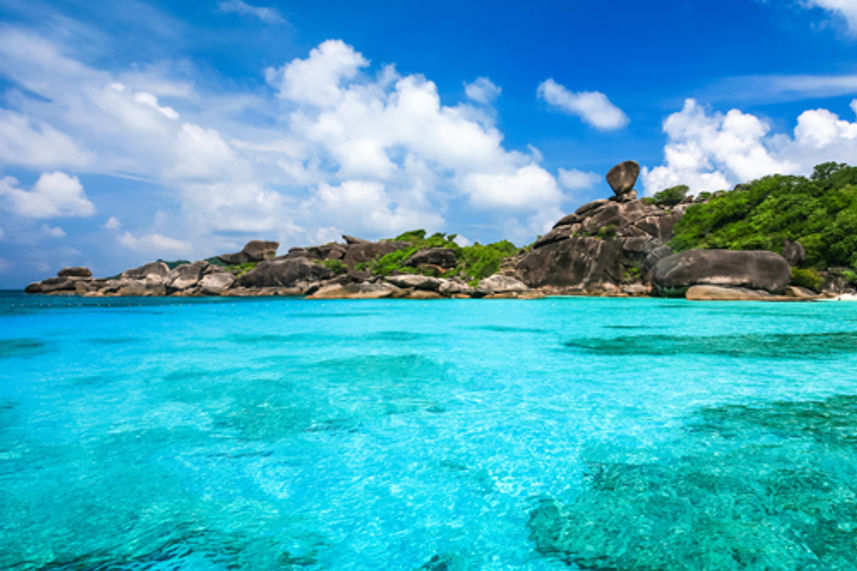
{"x":445,"y":434}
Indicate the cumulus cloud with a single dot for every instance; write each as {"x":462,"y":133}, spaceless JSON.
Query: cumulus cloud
{"x":339,"y":147}
{"x":574,"y":179}
{"x":593,"y":107}
{"x":265,"y":14}
{"x":846,"y":9}
{"x":54,"y":195}
{"x":112,"y":223}
{"x":711,"y":150}
{"x":482,"y":90}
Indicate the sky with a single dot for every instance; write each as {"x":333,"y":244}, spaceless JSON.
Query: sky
{"x":135,"y":130}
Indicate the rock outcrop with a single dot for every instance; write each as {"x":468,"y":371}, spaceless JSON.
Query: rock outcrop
{"x":253,"y":251}
{"x":605,"y":245}
{"x":794,"y":253}
{"x":76,"y":272}
{"x":285,"y":272}
{"x":756,"y":269}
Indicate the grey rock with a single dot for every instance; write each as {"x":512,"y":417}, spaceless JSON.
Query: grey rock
{"x":253,"y":251}
{"x":623,"y":176}
{"x":454,"y":286}
{"x":217,"y":282}
{"x":567,"y":220}
{"x":721,"y":293}
{"x":284,"y":272}
{"x":186,"y":275}
{"x":442,"y":257}
{"x":557,"y":234}
{"x":590,"y":206}
{"x":354,"y":291}
{"x":57,"y":284}
{"x":415,"y":281}
{"x":151,"y":271}
{"x":573,"y":263}
{"x":794,"y":253}
{"x":756,"y":269}
{"x":75,"y":272}
{"x":352,"y":240}
{"x":499,"y":283}
{"x":331,"y":251}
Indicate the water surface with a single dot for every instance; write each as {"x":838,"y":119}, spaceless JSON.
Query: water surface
{"x":444,"y":434}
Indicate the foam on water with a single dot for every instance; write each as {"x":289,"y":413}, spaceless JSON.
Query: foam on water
{"x":454,"y":434}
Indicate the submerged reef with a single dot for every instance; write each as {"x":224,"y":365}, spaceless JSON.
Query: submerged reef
{"x":769,"y":487}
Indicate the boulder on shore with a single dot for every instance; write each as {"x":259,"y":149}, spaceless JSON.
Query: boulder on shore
{"x":752,"y":269}
{"x":721,"y":293}
{"x":253,"y":251}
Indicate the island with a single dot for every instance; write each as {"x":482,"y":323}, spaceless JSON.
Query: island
{"x":779,"y":238}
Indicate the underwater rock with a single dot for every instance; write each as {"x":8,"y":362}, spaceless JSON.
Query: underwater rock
{"x":768,"y":487}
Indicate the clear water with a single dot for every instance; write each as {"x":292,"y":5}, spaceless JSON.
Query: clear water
{"x":445,"y":434}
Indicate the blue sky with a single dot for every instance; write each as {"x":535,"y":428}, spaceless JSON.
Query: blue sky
{"x":136,"y":130}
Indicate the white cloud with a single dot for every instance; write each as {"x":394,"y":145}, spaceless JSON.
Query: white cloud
{"x":316,"y":80}
{"x":528,"y":187}
{"x":267,"y":15}
{"x":36,"y":144}
{"x":112,"y":223}
{"x":592,"y":106}
{"x":574,"y":179}
{"x":53,"y":231}
{"x":330,"y":130}
{"x":846,"y":9}
{"x":54,"y":195}
{"x":482,"y":90}
{"x":711,"y":150}
{"x":153,"y":244}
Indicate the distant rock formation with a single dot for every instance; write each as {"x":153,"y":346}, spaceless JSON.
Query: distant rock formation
{"x":616,"y":246}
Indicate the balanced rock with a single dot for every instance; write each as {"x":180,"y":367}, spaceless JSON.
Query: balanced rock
{"x":253,"y":251}
{"x":75,"y":272}
{"x":753,"y":269}
{"x":622,"y":177}
{"x":285,"y":272}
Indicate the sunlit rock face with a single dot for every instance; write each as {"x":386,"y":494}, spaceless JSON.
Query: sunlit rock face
{"x":770,"y":487}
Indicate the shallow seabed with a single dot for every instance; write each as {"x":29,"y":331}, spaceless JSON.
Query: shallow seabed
{"x":445,"y":434}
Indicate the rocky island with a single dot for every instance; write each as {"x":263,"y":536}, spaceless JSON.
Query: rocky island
{"x":672,"y":244}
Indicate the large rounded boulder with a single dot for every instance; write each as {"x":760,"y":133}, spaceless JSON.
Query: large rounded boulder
{"x":622,"y":178}
{"x":285,"y":272}
{"x":754,"y":269}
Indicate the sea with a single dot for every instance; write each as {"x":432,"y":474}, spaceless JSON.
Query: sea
{"x":560,"y":433}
